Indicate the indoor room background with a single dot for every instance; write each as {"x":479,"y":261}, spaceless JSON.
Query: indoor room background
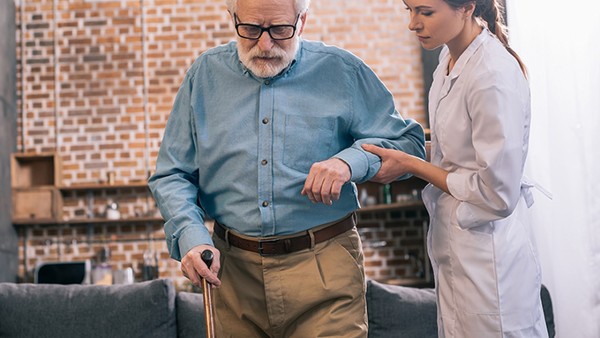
{"x":95,"y":83}
{"x":86,"y":88}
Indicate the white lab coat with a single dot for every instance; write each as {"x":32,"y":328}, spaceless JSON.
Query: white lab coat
{"x":485,"y":265}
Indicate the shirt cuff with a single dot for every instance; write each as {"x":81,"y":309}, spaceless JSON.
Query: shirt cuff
{"x":456,"y":186}
{"x":192,"y":237}
{"x":363,"y":166}
{"x":467,"y":214}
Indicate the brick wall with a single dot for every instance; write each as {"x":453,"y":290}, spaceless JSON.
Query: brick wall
{"x":97,"y":79}
{"x":393,"y":243}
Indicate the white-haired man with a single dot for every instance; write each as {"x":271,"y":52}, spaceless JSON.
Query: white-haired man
{"x":265,"y":139}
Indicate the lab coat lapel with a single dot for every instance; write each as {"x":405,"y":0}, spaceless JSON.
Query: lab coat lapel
{"x":442,"y":84}
{"x":462,"y":62}
{"x":436,"y":94}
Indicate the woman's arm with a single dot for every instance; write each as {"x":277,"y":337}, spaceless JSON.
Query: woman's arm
{"x":396,"y":163}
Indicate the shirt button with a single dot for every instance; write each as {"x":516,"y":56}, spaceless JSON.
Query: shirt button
{"x":265,"y":204}
{"x":264,"y":162}
{"x":265,"y":120}
{"x":267,"y":82}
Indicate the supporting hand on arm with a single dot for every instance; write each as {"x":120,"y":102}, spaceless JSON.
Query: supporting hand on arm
{"x":395,"y":163}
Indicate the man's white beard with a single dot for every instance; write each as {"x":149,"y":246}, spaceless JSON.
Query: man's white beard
{"x":279,"y":59}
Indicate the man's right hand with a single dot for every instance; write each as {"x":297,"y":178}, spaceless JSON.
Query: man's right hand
{"x":194,"y":268}
{"x":325,"y":180}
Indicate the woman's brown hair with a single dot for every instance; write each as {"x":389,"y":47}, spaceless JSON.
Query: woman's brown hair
{"x":490,"y":11}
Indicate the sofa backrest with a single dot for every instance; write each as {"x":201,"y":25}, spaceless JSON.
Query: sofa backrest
{"x":190,"y":315}
{"x":399,"y":311}
{"x":145,"y":309}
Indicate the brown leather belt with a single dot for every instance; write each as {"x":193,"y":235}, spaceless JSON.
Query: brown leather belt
{"x":283,"y":245}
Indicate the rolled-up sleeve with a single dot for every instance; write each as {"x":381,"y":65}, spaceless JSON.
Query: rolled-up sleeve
{"x":375,"y":120}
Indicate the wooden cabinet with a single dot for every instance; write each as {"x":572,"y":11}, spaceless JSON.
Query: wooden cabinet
{"x":35,"y":204}
{"x":34,"y":181}
{"x":29,"y":170}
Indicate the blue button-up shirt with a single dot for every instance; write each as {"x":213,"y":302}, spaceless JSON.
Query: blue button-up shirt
{"x":238,"y":148}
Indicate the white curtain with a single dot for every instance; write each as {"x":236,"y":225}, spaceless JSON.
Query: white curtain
{"x":559,"y":41}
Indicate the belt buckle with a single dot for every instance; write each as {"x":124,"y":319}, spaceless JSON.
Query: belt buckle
{"x":261,"y":248}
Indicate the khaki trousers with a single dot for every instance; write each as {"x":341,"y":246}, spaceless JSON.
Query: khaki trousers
{"x":318,"y":292}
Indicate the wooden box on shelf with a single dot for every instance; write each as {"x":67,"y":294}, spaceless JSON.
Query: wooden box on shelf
{"x":36,"y":204}
{"x":34,"y":179}
{"x":29,"y":170}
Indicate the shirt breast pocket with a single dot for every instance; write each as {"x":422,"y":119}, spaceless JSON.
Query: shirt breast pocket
{"x":307,"y":139}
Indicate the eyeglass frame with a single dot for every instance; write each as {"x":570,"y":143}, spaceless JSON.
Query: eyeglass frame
{"x":264,"y":29}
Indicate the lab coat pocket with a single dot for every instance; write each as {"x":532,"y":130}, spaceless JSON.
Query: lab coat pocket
{"x":307,"y":139}
{"x":473,"y":268}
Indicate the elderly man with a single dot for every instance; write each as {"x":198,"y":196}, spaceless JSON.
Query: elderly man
{"x":265,"y":139}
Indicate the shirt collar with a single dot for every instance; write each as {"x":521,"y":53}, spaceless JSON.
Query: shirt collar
{"x":467,"y":54}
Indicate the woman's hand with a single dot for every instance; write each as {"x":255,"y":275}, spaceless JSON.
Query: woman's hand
{"x":394,"y":163}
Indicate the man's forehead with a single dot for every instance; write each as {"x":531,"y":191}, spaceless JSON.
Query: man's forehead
{"x":266,"y":8}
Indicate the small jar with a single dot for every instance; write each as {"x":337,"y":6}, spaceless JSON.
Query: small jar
{"x":112,"y":211}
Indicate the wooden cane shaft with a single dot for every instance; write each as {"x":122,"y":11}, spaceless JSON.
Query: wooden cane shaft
{"x":208,"y":309}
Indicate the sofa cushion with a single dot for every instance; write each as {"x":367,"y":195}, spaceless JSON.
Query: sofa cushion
{"x":144,"y":309}
{"x":548,"y":311}
{"x":398,"y":311}
{"x":190,"y":315}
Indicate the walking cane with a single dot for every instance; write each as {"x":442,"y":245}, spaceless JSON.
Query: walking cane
{"x":207,"y":257}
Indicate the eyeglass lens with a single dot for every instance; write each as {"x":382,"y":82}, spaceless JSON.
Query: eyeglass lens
{"x":277,"y":32}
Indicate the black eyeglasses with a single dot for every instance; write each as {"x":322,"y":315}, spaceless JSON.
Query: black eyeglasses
{"x":254,"y":32}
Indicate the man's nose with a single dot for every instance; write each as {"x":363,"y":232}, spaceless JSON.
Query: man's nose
{"x":265,"y":43}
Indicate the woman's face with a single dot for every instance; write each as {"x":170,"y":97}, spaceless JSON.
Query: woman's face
{"x":435,"y":22}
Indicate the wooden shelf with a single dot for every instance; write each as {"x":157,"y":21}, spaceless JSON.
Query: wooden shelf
{"x":410,"y":282}
{"x":391,"y":206}
{"x":109,"y":221}
{"x":90,"y":188}
{"x":86,"y":221}
{"x":28,"y":221}
{"x":103,"y":186}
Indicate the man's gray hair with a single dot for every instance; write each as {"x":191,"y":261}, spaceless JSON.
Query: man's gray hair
{"x":301,"y":6}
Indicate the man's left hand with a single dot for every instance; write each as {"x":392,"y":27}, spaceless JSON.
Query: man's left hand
{"x":325,"y":180}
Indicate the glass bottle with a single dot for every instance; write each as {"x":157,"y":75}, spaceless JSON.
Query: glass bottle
{"x":387,"y":193}
{"x":150,"y":266}
{"x":102,"y":271}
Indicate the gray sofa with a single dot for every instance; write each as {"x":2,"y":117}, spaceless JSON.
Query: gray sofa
{"x":154,"y":309}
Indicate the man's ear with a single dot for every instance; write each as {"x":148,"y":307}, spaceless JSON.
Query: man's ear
{"x":302,"y":22}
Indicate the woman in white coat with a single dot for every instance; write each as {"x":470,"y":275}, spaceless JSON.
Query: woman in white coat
{"x":486,"y":270}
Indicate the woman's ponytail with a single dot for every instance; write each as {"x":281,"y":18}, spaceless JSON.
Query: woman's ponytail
{"x":490,"y":12}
